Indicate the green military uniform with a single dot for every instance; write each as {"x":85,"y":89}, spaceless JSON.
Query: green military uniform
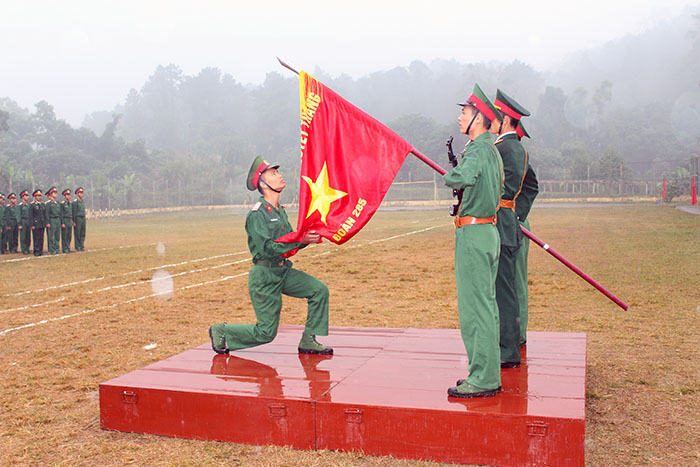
{"x":521,"y":287}
{"x":3,"y":235}
{"x":37,"y":222}
{"x":78,"y":214}
{"x":53,"y":219}
{"x":476,"y":259}
{"x":514,"y":164}
{"x":522,"y":210}
{"x":66,"y":223}
{"x":25,"y":235}
{"x":271,"y":276}
{"x":12,"y":220}
{"x":514,"y":159}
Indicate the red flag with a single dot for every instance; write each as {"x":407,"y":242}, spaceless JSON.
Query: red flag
{"x":663,"y":195}
{"x":693,"y":193}
{"x":348,"y":161}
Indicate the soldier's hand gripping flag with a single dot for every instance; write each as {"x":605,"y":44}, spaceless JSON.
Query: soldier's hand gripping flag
{"x":348,"y":161}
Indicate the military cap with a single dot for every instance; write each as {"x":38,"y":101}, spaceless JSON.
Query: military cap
{"x":521,"y":131}
{"x":2,"y":196}
{"x":51,"y":190}
{"x":37,"y":191}
{"x":24,"y":192}
{"x":259,"y":166}
{"x":65,"y":191}
{"x":509,"y":106}
{"x":482,"y":103}
{"x":11,"y":195}
{"x":78,"y":190}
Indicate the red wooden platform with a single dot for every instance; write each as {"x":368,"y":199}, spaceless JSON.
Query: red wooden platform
{"x":384,"y":392}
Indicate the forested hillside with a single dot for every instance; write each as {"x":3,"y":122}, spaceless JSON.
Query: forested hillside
{"x":628,"y":109}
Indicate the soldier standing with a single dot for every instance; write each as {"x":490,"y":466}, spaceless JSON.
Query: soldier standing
{"x":480,"y":175}
{"x":272,"y":273}
{"x":3,"y":235}
{"x":514,"y":159}
{"x":12,"y":218}
{"x":25,"y":239}
{"x":66,"y":221}
{"x":37,"y":221}
{"x":53,"y":218}
{"x":522,"y":210}
{"x":78,"y":210}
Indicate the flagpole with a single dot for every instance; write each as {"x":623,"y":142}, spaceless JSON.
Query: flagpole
{"x":574,"y":268}
{"x":539,"y":242}
{"x":428,"y":161}
{"x":287,"y":65}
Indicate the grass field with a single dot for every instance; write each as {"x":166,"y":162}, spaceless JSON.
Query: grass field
{"x":91,"y":314}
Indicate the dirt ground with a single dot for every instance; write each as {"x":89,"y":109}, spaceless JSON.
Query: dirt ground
{"x":70,"y":322}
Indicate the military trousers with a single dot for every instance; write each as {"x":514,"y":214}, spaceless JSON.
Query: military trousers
{"x":53,"y":236}
{"x":508,"y":309}
{"x":3,"y":239}
{"x":79,"y":231}
{"x":66,"y":237}
{"x":25,"y":237}
{"x":476,"y":264}
{"x":266,"y":286}
{"x":521,"y":282}
{"x":12,"y":238}
{"x":38,"y":239}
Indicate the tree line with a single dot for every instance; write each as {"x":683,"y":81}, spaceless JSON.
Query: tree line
{"x":189,"y":139}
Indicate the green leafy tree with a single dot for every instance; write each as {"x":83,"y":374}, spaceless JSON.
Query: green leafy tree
{"x":612,"y":166}
{"x":128,"y":182}
{"x":551,"y":124}
{"x":602,"y":97}
{"x":4,"y":117}
{"x":579,"y":158}
{"x":677,"y":183}
{"x":424,"y":133}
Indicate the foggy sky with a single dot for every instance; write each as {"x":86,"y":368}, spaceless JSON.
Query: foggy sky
{"x":83,"y":56}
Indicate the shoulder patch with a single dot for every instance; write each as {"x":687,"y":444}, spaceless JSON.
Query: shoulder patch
{"x":256,"y":206}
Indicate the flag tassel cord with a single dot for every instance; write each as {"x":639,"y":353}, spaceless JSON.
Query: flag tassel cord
{"x":539,"y":242}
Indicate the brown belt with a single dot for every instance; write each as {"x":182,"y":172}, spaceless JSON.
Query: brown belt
{"x":471,"y":220}
{"x":275,"y":264}
{"x":507,"y":203}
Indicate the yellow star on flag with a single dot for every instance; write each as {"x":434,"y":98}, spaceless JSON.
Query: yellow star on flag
{"x":322,"y":195}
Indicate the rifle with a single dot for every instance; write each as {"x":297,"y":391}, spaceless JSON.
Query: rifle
{"x":454,"y":209}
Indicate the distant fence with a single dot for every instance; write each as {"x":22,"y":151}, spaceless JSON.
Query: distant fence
{"x":600,"y":187}
{"x":433,"y":192}
{"x":110,"y":213}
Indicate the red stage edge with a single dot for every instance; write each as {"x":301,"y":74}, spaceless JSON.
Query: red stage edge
{"x":384,"y":392}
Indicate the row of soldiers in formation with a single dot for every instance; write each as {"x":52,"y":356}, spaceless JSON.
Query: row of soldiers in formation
{"x":27,"y":222}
